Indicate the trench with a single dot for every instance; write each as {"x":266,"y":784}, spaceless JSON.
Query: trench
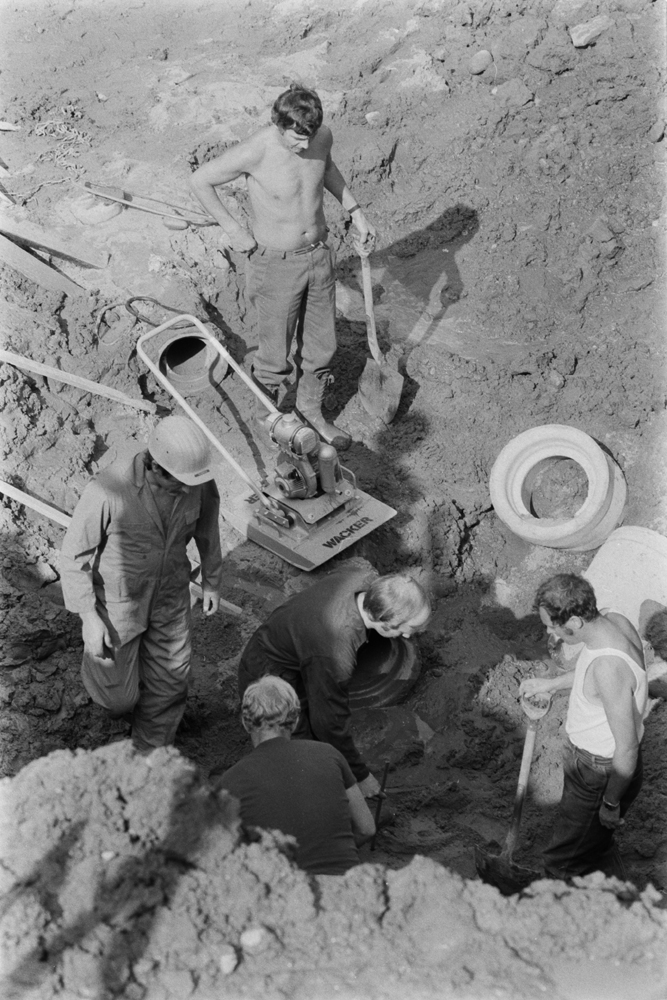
{"x":515,"y":284}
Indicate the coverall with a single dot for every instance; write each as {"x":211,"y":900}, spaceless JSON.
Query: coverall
{"x":312,"y":642}
{"x":119,"y":560}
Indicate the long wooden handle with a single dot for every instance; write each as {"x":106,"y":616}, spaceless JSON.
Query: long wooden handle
{"x":42,"y":508}
{"x":526,"y":759}
{"x":370,"y":314}
{"x":81,"y":383}
{"x":36,"y":269}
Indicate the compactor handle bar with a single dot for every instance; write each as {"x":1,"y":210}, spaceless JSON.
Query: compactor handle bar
{"x":145,"y":337}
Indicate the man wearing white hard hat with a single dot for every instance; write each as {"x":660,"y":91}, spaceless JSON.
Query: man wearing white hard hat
{"x":125,"y":571}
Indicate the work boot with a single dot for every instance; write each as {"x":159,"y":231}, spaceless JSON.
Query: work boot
{"x":271,"y":391}
{"x":309,"y":394}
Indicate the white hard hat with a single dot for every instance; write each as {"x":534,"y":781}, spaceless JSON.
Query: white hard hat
{"x":182,"y":448}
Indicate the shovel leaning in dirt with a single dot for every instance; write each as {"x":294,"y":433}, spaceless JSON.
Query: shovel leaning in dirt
{"x":499,"y":869}
{"x":381,"y":384}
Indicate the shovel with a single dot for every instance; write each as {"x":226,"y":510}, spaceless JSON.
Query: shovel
{"x":499,"y":869}
{"x":381,"y":384}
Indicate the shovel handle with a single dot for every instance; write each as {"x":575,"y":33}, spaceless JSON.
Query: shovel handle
{"x":370,"y":314}
{"x":524,"y":771}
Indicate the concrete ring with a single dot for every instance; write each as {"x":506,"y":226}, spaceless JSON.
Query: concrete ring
{"x":189,"y":362}
{"x":600,"y":513}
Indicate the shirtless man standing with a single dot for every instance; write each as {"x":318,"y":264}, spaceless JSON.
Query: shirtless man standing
{"x":605,"y":723}
{"x":290,"y":270}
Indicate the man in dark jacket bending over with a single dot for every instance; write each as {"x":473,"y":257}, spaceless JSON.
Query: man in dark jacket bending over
{"x":313,"y":639}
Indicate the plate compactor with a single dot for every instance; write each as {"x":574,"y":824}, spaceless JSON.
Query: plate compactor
{"x":313,"y":508}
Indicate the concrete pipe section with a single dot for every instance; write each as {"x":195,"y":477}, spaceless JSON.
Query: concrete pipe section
{"x":511,"y":492}
{"x":190,"y":363}
{"x":629,"y":571}
{"x":628,"y":575}
{"x":386,"y":672}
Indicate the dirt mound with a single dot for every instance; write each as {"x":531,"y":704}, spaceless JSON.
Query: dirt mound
{"x":130,"y":876}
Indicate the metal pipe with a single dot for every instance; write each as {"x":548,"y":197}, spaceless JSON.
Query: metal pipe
{"x":381,"y":796}
{"x":142,"y":208}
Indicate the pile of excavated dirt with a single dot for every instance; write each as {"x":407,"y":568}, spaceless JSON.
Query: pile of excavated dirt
{"x":129,"y":876}
{"x":519,"y":280}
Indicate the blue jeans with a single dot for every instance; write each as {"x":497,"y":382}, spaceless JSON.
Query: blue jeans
{"x":293,"y":295}
{"x":580,"y":841}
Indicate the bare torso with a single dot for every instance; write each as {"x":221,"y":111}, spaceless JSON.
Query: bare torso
{"x":286,"y":189}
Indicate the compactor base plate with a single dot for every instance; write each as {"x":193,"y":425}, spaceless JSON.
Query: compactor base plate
{"x":303,"y":544}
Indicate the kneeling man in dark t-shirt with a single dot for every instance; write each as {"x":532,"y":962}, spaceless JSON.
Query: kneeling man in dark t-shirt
{"x":303,"y":788}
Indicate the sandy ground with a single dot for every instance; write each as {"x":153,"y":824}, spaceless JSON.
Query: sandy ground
{"x":520,"y":271}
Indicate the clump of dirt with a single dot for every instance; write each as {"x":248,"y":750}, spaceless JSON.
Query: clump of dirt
{"x":130,"y":876}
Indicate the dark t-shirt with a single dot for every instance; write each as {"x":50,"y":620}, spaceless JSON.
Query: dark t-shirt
{"x":312,"y":640}
{"x":298,"y":787}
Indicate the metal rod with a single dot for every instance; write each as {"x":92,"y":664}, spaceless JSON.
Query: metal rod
{"x":180,"y":208}
{"x":186,"y":406}
{"x":142,"y":208}
{"x":378,"y":808}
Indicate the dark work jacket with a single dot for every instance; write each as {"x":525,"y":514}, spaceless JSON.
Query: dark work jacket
{"x":298,"y":786}
{"x":312,"y":640}
{"x":118,"y":560}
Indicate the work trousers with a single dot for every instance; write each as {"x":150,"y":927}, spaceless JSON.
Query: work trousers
{"x":580,"y":842}
{"x":293,"y":295}
{"x":147,"y":678}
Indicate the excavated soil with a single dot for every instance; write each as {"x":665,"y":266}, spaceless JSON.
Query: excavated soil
{"x":518,"y":281}
{"x":129,"y":877}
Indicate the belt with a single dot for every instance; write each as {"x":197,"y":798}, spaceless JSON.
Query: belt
{"x":293,"y":253}
{"x":593,"y":759}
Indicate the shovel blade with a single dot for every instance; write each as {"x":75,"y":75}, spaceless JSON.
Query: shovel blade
{"x":499,"y":870}
{"x":380,"y":388}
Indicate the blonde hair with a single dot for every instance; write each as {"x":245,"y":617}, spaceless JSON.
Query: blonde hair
{"x":270,"y":703}
{"x":396,"y":600}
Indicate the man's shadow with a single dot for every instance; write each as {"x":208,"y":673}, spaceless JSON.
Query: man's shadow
{"x":424,"y":264}
{"x":126,"y":902}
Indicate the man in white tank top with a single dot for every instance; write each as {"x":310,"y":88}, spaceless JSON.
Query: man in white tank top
{"x":605,"y":723}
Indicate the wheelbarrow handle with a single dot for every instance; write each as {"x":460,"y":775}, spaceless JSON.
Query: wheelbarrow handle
{"x":370,"y":314}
